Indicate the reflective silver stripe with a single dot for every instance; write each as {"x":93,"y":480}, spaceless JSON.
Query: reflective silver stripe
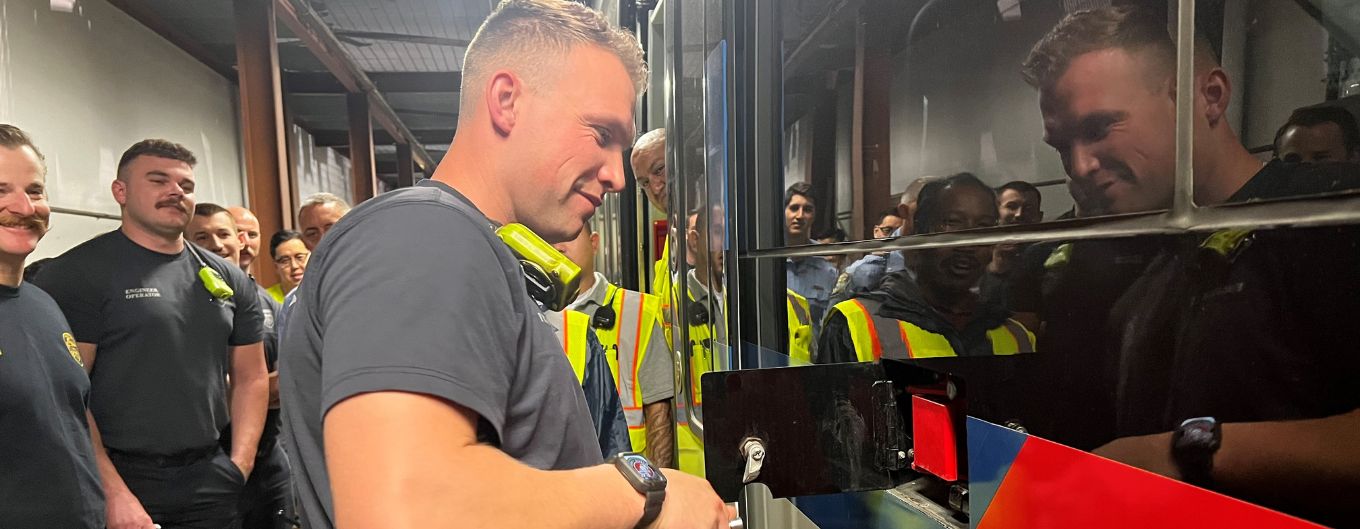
{"x":1021,"y":336}
{"x":803,"y":317}
{"x":889,"y":331}
{"x":628,"y":306}
{"x":634,"y":418}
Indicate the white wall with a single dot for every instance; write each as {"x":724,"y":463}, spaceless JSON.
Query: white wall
{"x":1284,"y":66}
{"x":88,"y":84}
{"x":318,"y":169}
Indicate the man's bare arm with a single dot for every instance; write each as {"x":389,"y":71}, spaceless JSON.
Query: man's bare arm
{"x":1306,"y":466}
{"x":249,"y":403}
{"x":409,"y":460}
{"x":122,"y":508}
{"x":660,"y":433}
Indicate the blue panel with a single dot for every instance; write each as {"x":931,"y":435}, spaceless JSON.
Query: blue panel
{"x":991,"y":450}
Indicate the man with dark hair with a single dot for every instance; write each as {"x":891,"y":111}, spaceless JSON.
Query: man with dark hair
{"x":1318,"y":134}
{"x":48,"y":476}
{"x":939,"y":313}
{"x":1019,"y":202}
{"x":831,"y":236}
{"x":268,"y":490}
{"x":1211,"y":320}
{"x":811,"y":277}
{"x":164,"y":322}
{"x":443,"y":399}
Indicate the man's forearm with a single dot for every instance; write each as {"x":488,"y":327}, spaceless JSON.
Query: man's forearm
{"x":108,"y":474}
{"x":382,"y":476}
{"x":249,"y":403}
{"x":1310,"y":465}
{"x":660,"y":433}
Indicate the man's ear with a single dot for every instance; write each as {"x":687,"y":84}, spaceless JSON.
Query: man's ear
{"x":119,"y":189}
{"x":503,"y":91}
{"x":594,"y":242}
{"x":1216,"y":92}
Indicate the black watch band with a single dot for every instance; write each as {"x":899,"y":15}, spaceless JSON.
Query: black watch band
{"x":1193,"y":446}
{"x":652,"y":509}
{"x":646,"y":480}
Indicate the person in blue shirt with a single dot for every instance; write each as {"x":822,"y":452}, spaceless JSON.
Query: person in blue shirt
{"x":811,"y":277}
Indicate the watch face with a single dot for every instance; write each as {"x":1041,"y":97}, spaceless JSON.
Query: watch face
{"x":642,"y":468}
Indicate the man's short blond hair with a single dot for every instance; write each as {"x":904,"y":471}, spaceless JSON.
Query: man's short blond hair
{"x":534,"y":34}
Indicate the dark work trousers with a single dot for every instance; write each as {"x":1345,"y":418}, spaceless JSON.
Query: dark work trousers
{"x":192,"y":492}
{"x":269,"y":491}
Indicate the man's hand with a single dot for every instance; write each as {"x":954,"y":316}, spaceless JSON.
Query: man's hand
{"x":691,"y":504}
{"x":1148,"y":452}
{"x":125,"y":512}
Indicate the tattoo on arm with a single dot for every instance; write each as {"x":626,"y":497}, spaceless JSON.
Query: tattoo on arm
{"x":660,"y":433}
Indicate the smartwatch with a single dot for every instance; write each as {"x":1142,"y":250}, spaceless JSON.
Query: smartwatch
{"x":645,"y":479}
{"x":1193,"y":446}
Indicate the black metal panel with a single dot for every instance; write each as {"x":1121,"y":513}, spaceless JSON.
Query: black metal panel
{"x":817,"y":423}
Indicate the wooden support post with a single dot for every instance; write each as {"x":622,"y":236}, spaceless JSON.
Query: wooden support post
{"x":871,"y":150}
{"x":363,"y":173}
{"x":269,"y":185}
{"x":406,"y":166}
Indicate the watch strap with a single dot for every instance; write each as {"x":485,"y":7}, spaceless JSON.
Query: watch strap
{"x":652,"y":509}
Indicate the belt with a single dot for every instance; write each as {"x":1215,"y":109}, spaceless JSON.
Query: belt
{"x":178,"y":459}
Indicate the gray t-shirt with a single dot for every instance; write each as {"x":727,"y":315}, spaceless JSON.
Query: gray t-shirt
{"x":162,"y":342}
{"x":412,"y":291}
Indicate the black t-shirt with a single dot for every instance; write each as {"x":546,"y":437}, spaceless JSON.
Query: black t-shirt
{"x":441,"y":311}
{"x":269,"y":309}
{"x":162,"y":341}
{"x":48,"y":476}
{"x":1260,"y":332}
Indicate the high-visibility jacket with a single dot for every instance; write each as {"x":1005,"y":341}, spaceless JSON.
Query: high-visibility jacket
{"x":636,"y":316}
{"x":800,"y":328}
{"x":875,"y":335}
{"x":592,"y":372}
{"x":663,"y":289}
{"x":701,"y":335}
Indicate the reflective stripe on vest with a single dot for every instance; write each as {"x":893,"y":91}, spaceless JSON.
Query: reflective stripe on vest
{"x":636,"y":315}
{"x":800,"y":328}
{"x":664,"y":290}
{"x":574,"y":326}
{"x":873,"y":335}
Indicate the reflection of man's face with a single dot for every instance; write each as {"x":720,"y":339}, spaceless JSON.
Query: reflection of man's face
{"x":1113,"y":123}
{"x":958,"y":269}
{"x":1319,"y":143}
{"x":798,"y":215}
{"x":885,"y":228}
{"x":649,"y":167}
{"x":1018,"y":208}
{"x":707,"y":244}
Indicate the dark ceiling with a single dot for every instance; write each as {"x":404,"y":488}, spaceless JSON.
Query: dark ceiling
{"x":412,"y":50}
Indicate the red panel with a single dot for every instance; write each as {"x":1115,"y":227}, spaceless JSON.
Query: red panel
{"x":933,"y":439}
{"x":658,"y":238}
{"x":1051,"y":485}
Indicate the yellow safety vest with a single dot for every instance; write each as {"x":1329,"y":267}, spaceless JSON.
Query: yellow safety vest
{"x":873,"y":335}
{"x":635,"y":317}
{"x":664,"y":290}
{"x":800,"y":328}
{"x":690,"y":446}
{"x":572,"y":328}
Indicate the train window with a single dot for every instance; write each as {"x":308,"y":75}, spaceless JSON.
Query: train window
{"x":1208,"y":251}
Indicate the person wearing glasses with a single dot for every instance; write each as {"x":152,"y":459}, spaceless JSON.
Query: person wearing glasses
{"x":290,"y":255}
